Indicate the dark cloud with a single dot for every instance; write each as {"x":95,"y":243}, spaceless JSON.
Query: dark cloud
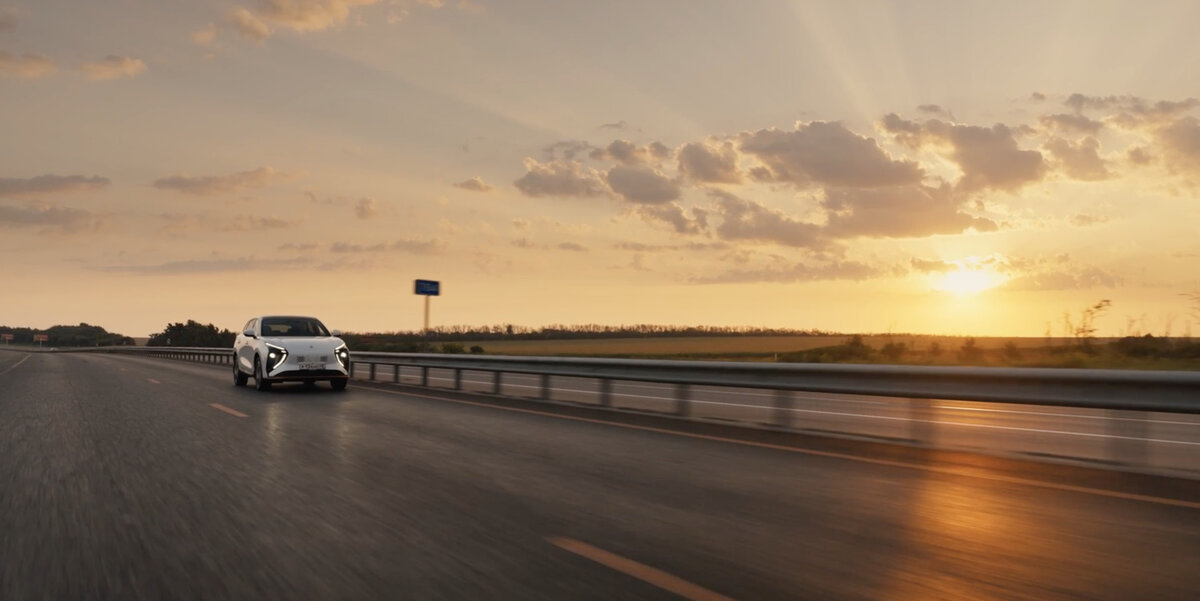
{"x":218,"y":184}
{"x":569,"y":150}
{"x":675,"y":216}
{"x":708,"y":163}
{"x":621,"y":125}
{"x":989,"y":157}
{"x":50,"y":184}
{"x":560,"y":178}
{"x":798,"y":272}
{"x":1037,"y":97}
{"x":1080,"y":160}
{"x":825,"y":154}
{"x":1139,"y":155}
{"x":403,"y":245}
{"x":751,"y":221}
{"x":642,"y":185}
{"x":934,"y":109}
{"x":113,"y":67}
{"x":475,"y":184}
{"x":1132,"y":112}
{"x":1085,"y":220}
{"x":571,"y":246}
{"x":1072,"y":123}
{"x":898,"y":212}
{"x":366,"y":208}
{"x":8,"y":20}
{"x":48,"y":216}
{"x":934,"y":266}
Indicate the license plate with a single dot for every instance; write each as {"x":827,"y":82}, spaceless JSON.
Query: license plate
{"x":311,"y":365}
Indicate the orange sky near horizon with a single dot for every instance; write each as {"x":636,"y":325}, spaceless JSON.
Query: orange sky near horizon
{"x":936,"y":167}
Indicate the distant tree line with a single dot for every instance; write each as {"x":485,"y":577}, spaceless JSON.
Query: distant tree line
{"x":83,"y":334}
{"x":192,"y":333}
{"x":463,"y":333}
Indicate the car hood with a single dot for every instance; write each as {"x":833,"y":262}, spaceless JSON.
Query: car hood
{"x":316,"y":343}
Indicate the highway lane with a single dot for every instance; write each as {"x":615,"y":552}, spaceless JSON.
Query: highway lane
{"x":1167,"y":442}
{"x":137,"y":478}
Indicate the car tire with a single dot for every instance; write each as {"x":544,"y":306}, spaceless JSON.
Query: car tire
{"x":339,"y":384}
{"x":260,"y":382}
{"x":239,"y":378}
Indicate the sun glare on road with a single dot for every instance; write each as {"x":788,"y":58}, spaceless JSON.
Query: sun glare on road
{"x":967,"y":281}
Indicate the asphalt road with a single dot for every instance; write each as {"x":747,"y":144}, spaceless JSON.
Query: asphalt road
{"x":135,"y":478}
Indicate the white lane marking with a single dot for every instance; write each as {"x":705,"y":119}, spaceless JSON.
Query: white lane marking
{"x":888,"y":417}
{"x":14,"y":365}
{"x":1068,"y":415}
{"x":233,"y":412}
{"x":153,"y":381}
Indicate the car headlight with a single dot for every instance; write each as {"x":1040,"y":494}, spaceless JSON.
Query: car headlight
{"x":343,"y":356}
{"x":276,"y":355}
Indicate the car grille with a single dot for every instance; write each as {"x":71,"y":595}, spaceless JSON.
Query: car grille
{"x":323,"y":359}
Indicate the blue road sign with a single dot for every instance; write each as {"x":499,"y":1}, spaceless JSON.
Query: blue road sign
{"x":428,"y":287}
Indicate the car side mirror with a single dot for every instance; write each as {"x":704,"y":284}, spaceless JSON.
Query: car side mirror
{"x":337,"y":332}
{"x":248,"y":333}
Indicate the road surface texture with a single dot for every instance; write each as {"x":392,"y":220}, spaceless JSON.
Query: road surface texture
{"x":136,"y":478}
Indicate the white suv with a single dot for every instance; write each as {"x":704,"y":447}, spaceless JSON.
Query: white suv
{"x":289,"y":348}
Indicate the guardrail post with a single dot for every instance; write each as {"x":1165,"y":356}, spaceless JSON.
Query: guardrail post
{"x":605,"y":392}
{"x":496,"y":381}
{"x":396,"y":373}
{"x":683,"y":401}
{"x":1128,"y":431}
{"x":920,"y":415}
{"x":785,"y":401}
{"x":372,"y":372}
{"x":545,"y":387}
{"x":458,"y":379}
{"x":424,"y":375}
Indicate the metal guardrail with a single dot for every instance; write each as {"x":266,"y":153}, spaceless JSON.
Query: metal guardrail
{"x":1128,"y":395}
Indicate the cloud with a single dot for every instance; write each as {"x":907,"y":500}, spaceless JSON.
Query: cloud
{"x":46,"y":215}
{"x":212,"y":266}
{"x":571,"y":246}
{"x":934,"y":266}
{"x":708,"y":163}
{"x":642,"y":185}
{"x":898,"y":212}
{"x":366,"y":208}
{"x":204,"y":37}
{"x":183,"y":222}
{"x":218,"y":184}
{"x":677,"y":218}
{"x":798,"y":272}
{"x":622,"y":125}
{"x":113,"y":67}
{"x":50,"y":184}
{"x":1180,"y":143}
{"x":1139,"y":155}
{"x":1037,"y":97}
{"x":1072,"y":123}
{"x":475,"y":184}
{"x":1065,"y":279}
{"x":827,"y":154}
{"x":307,"y":15}
{"x":989,"y":157}
{"x":936,"y":110}
{"x":469,"y":7}
{"x":568,"y":149}
{"x":249,"y":26}
{"x":1084,"y":220}
{"x":404,"y":245}
{"x":26,"y":66}
{"x":560,"y":178}
{"x":303,"y":247}
{"x":749,"y":220}
{"x":1080,"y":160}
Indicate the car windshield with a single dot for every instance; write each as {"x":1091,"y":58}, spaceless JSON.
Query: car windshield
{"x":292,"y":326}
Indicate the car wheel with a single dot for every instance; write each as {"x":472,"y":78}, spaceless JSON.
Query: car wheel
{"x":239,"y":378}
{"x":260,"y":382}
{"x":339,"y":384}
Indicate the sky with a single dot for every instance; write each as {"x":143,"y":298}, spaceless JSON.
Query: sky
{"x":941,"y":167}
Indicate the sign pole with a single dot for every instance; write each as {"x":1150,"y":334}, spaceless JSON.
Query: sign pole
{"x":427,"y":313}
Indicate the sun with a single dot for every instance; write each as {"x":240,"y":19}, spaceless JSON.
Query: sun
{"x":966,"y":281}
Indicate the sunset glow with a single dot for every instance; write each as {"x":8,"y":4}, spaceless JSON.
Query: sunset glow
{"x":819,"y":164}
